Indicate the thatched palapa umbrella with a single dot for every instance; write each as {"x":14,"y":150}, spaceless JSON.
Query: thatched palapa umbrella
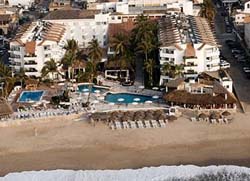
{"x":226,"y":113}
{"x":214,"y":115}
{"x":202,"y":116}
{"x":171,"y":118}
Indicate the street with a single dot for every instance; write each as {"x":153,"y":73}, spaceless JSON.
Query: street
{"x":240,"y":81}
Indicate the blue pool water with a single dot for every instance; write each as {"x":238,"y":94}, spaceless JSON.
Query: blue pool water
{"x":128,"y":98}
{"x":85,"y":88}
{"x":27,"y":96}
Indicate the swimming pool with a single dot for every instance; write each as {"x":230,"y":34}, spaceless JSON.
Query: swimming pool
{"x":127,"y":98}
{"x":86,"y":88}
{"x":27,"y":96}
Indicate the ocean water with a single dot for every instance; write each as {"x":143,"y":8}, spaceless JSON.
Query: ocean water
{"x":163,"y":173}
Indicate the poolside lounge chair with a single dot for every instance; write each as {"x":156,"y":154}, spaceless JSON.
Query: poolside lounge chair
{"x":140,"y":124}
{"x":162,"y":123}
{"x":154,"y":123}
{"x":147,"y":124}
{"x":225,"y":120}
{"x":193,"y":119}
{"x":125,"y":125}
{"x":118,"y":125}
{"x":132,"y":124}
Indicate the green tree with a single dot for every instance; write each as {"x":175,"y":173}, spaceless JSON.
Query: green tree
{"x":208,"y":10}
{"x":149,"y":68}
{"x":67,"y":62}
{"x":95,"y":56}
{"x":71,"y":46}
{"x":145,"y":47}
{"x":178,"y":70}
{"x":50,"y":67}
{"x":7,"y":79}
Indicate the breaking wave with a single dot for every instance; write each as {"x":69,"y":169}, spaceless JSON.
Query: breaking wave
{"x":163,"y":173}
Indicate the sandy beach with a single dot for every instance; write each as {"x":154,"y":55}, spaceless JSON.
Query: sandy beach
{"x":62,"y":143}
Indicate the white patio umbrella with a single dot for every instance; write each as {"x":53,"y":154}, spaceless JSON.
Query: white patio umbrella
{"x":85,"y":90}
{"x":120,"y":100}
{"x":111,"y":103}
{"x":148,"y":102}
{"x":97,"y":91}
{"x":137,"y":99}
{"x":155,"y":88}
{"x":155,"y":97}
{"x":141,"y":87}
{"x":135,"y":103}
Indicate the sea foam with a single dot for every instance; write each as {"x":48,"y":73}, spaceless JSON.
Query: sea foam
{"x":162,"y":173}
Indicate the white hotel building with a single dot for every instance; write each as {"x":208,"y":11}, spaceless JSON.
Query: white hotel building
{"x":82,"y":25}
{"x":188,"y":40}
{"x":35,"y":44}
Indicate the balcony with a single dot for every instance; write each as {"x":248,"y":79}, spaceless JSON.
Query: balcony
{"x":31,"y":70}
{"x":30,"y":55}
{"x":189,"y":64}
{"x":30,"y":63}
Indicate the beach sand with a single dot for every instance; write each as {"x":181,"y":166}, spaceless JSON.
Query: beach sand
{"x":62,"y":143}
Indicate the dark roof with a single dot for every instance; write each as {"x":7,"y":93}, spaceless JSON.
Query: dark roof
{"x":71,"y":14}
{"x":125,"y":28}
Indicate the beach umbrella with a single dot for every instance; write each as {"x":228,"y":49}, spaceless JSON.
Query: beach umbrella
{"x":155,"y":97}
{"x":161,"y":117}
{"x":226,"y":113}
{"x":120,"y":99}
{"x":202,"y":116}
{"x":171,"y":118}
{"x":155,"y":88}
{"x":158,"y":112}
{"x":214,"y":115}
{"x":135,"y":103}
{"x":136,"y":99}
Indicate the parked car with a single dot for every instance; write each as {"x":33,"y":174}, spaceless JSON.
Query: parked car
{"x":224,"y":64}
{"x":237,"y":50}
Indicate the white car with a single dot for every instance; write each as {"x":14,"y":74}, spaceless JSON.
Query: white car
{"x":224,"y":65}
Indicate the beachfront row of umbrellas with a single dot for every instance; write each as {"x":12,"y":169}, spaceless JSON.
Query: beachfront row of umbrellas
{"x":214,"y":117}
{"x":133,"y":119}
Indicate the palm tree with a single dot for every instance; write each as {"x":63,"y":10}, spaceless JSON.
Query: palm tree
{"x":207,"y":10}
{"x":166,"y":69}
{"x":94,"y":51}
{"x":49,"y":67}
{"x":120,"y":44}
{"x":67,"y":62}
{"x":149,"y":68}
{"x":178,"y":70}
{"x":71,"y":46}
{"x":95,"y":56}
{"x":21,"y":76}
{"x":146,"y":47}
{"x":7,"y":79}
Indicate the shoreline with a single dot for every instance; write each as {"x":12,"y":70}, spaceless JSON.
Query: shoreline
{"x":108,"y":157}
{"x":64,"y":143}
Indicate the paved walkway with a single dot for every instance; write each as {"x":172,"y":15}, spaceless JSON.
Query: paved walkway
{"x":139,"y":76}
